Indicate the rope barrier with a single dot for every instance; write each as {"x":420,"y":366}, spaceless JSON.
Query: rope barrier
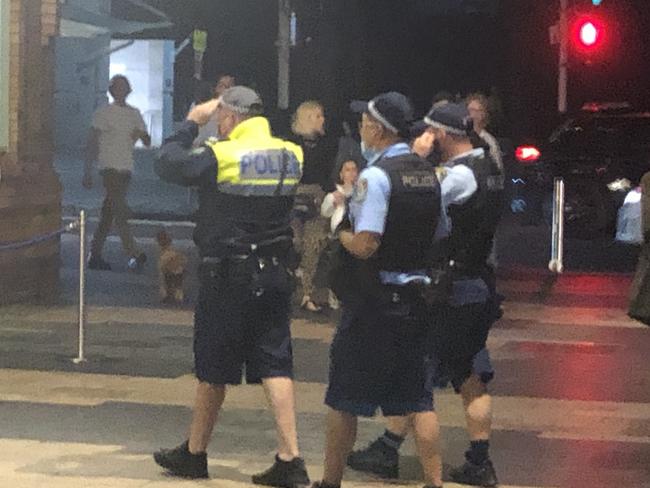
{"x":79,"y":224}
{"x":16,"y":245}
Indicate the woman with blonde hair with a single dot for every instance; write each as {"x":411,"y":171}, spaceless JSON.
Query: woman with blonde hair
{"x":310,"y":228}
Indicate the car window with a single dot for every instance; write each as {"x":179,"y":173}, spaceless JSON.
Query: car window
{"x":611,"y":135}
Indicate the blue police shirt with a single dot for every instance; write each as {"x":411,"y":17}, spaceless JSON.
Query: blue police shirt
{"x":369,"y":205}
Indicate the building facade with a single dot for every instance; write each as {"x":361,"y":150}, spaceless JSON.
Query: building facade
{"x":30,"y":192}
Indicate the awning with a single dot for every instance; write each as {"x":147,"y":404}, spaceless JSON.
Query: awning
{"x":77,"y":21}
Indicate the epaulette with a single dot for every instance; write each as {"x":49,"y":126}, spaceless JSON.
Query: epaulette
{"x":441,"y":173}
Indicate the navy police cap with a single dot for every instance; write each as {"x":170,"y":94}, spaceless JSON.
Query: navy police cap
{"x":452,"y":117}
{"x":392,"y":110}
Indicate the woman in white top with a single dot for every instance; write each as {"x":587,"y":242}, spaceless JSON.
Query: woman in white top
{"x":334,"y":205}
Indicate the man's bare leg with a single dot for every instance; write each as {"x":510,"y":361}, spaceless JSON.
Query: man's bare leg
{"x":398,"y":425}
{"x":288,"y":468}
{"x":207,"y":404}
{"x":427,"y":439}
{"x":339,"y":440}
{"x":478,"y":469}
{"x":478,"y":408}
{"x":280,"y":395}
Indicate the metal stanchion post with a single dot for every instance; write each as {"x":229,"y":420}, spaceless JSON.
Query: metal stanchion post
{"x":556,"y":264}
{"x":82,"y":286}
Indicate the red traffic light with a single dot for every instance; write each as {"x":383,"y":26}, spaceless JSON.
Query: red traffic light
{"x":588,"y":33}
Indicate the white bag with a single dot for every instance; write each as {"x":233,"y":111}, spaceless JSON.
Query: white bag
{"x":629,"y":228}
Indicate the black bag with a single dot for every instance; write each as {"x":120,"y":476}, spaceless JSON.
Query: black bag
{"x":326,"y":262}
{"x":341,"y":271}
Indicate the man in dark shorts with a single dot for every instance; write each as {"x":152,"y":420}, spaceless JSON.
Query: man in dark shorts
{"x":246,"y":187}
{"x":377,"y":359}
{"x":472,"y":193}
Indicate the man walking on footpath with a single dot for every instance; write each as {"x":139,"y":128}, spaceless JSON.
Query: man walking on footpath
{"x":115,"y":130}
{"x":246,"y":185}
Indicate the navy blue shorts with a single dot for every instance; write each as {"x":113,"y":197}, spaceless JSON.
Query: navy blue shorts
{"x":235,"y":329}
{"x":378,"y":361}
{"x":457,"y":342}
{"x":481,"y":367}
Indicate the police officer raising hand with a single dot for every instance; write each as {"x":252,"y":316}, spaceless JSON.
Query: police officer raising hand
{"x":201,"y":114}
{"x":246,"y":185}
{"x":471,"y":195}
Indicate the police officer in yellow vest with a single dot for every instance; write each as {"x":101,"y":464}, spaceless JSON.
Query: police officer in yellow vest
{"x":246,"y":184}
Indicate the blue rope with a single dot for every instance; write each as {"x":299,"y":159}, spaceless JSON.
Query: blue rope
{"x":13,"y":246}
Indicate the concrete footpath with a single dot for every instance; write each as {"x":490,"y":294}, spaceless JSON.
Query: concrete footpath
{"x":571,"y":396}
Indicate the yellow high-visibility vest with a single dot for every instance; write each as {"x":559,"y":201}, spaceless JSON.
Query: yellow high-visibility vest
{"x":254,"y":163}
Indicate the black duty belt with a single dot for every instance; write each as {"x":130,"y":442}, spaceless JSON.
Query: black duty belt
{"x":241,"y":258}
{"x":224,"y":259}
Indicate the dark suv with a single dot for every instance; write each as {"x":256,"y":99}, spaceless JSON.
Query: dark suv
{"x":601,"y":153}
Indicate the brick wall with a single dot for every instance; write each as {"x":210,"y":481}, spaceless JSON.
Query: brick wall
{"x":30,"y":193}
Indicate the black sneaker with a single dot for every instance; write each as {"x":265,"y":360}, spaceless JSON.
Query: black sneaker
{"x":284,"y":474}
{"x":475,"y":474}
{"x":180,"y":462}
{"x":97,"y":263}
{"x":378,"y":459}
{"x":321,"y":484}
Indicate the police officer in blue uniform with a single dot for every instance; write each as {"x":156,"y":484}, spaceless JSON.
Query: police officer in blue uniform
{"x":472,"y":201}
{"x":246,"y":185}
{"x":378,"y":354}
{"x":460,"y":330}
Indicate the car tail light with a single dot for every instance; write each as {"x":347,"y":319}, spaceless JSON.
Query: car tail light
{"x":527,"y":154}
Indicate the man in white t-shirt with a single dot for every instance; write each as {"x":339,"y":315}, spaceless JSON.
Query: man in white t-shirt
{"x":115,"y":130}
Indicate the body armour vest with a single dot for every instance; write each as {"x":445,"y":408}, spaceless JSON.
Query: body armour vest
{"x":257,"y":176}
{"x":413,"y":213}
{"x":474,"y":223}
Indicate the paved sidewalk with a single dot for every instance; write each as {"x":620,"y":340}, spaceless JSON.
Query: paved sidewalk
{"x":572,"y":393}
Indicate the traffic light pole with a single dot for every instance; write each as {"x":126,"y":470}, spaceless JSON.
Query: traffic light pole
{"x":563,"y":68}
{"x":284,"y":53}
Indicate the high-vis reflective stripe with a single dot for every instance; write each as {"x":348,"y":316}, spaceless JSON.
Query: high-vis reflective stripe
{"x":255,"y":164}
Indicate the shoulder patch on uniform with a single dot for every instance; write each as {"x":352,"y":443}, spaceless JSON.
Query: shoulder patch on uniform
{"x":197,"y":151}
{"x":360,"y":190}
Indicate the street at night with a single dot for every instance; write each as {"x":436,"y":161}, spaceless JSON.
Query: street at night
{"x":347,"y":201}
{"x":571,"y":392}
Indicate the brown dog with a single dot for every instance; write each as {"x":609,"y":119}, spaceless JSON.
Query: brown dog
{"x":171,"y":268}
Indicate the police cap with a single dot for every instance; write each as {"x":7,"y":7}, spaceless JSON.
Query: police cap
{"x":242,"y":100}
{"x":392,"y":110}
{"x":451,"y":117}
